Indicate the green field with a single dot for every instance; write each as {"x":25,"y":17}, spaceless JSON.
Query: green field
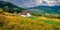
{"x":9,"y":21}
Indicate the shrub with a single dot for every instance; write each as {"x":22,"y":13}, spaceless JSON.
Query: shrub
{"x":52,"y":16}
{"x":1,"y":10}
{"x":58,"y":17}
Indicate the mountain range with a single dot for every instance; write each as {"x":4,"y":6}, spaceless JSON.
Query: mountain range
{"x":37,"y":9}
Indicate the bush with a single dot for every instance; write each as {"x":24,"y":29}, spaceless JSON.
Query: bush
{"x":1,"y":10}
{"x":58,"y":17}
{"x":52,"y":16}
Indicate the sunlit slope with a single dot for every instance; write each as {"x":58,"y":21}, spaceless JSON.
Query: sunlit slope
{"x":31,"y":23}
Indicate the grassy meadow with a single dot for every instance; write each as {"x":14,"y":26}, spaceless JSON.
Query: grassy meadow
{"x":8,"y":21}
{"x":40,"y":19}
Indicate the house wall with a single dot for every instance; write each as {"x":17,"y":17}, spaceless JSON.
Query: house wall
{"x":27,"y":15}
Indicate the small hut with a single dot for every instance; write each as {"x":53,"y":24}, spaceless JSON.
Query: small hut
{"x":25,"y":13}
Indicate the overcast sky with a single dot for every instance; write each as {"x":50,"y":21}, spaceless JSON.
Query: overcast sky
{"x":32,"y":3}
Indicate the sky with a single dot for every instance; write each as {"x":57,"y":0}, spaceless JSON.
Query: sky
{"x":33,"y":3}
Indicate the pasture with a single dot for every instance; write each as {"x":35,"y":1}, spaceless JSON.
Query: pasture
{"x":9,"y":21}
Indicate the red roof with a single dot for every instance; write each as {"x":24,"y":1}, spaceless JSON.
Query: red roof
{"x":24,"y":12}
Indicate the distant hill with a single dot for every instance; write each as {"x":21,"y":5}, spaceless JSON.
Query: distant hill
{"x":45,"y":9}
{"x":7,"y":6}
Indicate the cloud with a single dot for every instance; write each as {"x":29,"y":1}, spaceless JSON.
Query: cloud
{"x":4,"y":0}
{"x":52,"y":2}
{"x":32,"y":3}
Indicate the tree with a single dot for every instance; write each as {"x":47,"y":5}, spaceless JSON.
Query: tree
{"x":6,"y":8}
{"x":15,"y":9}
{"x":1,"y":10}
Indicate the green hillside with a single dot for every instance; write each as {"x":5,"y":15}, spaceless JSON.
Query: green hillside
{"x":9,"y":7}
{"x":47,"y":9}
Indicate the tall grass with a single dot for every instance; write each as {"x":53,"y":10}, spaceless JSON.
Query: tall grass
{"x":11,"y":22}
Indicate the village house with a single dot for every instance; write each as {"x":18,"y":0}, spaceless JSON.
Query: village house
{"x":25,"y":13}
